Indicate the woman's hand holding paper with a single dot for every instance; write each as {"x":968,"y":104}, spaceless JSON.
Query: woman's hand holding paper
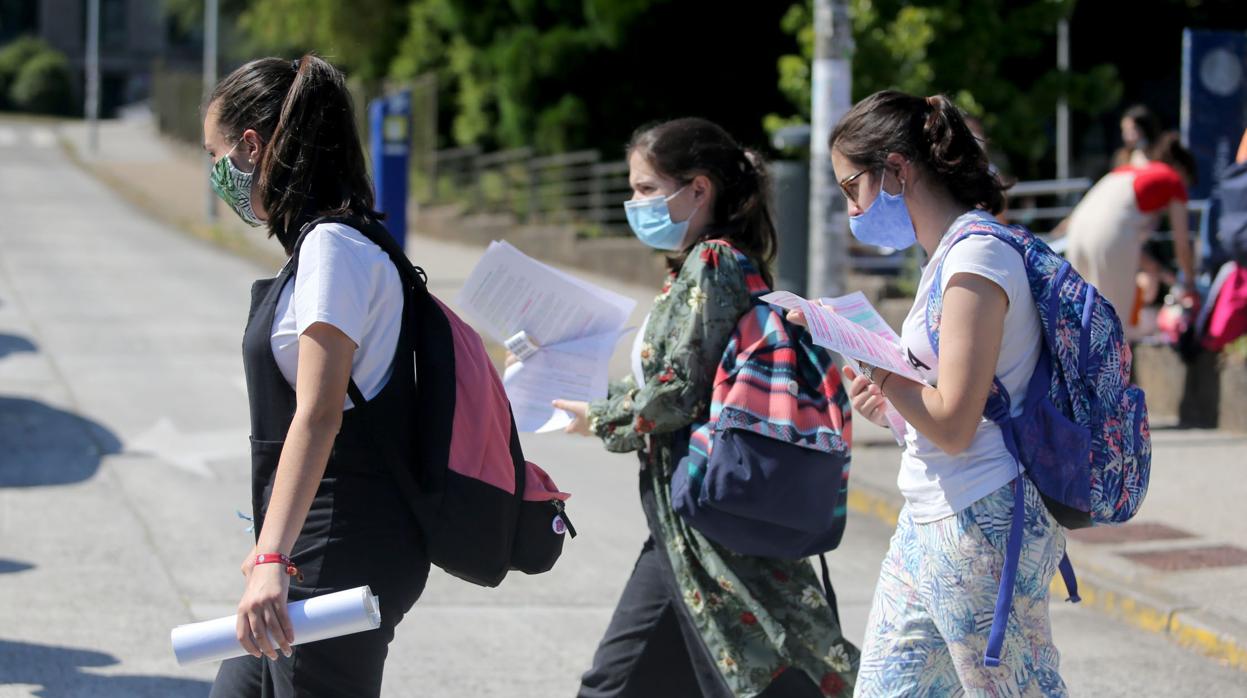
{"x":262,"y":612}
{"x":579,"y":413}
{"x":867,"y":398}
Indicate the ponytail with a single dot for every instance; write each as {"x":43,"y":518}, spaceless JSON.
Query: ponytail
{"x":929,"y":131}
{"x":1169,"y":150}
{"x":312,"y":162}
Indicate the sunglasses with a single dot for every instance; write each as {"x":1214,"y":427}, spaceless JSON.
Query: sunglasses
{"x":851,"y":179}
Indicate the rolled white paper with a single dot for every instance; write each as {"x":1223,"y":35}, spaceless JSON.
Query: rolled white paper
{"x":318,"y":618}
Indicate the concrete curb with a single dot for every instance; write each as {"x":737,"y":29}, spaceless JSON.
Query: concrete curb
{"x":1182,"y":623}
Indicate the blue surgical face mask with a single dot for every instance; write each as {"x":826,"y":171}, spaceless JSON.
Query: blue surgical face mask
{"x":651,"y":221}
{"x":886,"y":222}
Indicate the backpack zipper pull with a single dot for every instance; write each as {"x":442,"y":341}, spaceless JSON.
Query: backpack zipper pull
{"x":562,"y":514}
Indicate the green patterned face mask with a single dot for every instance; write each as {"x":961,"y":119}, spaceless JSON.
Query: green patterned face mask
{"x":234,"y":187}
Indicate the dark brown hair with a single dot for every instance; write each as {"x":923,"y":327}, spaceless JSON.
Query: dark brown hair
{"x":684,"y":148}
{"x":931,"y":132}
{"x":1145,"y":121}
{"x":312,"y":163}
{"x":1169,"y":150}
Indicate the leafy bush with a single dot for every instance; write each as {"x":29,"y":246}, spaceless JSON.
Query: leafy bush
{"x":13,"y":57}
{"x":43,"y":85}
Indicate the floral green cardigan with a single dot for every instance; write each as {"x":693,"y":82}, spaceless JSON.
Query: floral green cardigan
{"x":757,"y":616}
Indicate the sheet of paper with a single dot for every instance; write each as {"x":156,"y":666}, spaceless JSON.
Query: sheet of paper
{"x":857,"y":308}
{"x":848,"y":338}
{"x":571,"y":326}
{"x":509,"y":292}
{"x":853,"y":316}
{"x":318,"y":618}
{"x":574,"y":370}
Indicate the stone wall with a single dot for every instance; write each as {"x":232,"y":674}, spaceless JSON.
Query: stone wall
{"x":1209,"y":392}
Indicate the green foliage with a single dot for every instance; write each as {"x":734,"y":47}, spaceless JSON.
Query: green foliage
{"x":983,"y":53}
{"x":359,"y":36}
{"x":35,"y":77}
{"x":495,"y":58}
{"x":13,"y":56}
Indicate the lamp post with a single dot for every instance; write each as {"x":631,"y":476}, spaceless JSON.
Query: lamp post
{"x":831,"y":94}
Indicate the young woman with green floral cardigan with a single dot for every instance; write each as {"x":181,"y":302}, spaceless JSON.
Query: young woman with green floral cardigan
{"x":696,"y":618}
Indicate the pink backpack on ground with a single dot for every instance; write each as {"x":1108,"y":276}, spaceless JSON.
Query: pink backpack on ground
{"x":483,"y":509}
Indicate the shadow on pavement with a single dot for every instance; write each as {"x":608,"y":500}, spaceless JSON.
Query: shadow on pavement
{"x":58,"y":673}
{"x":12,"y":344}
{"x":44,"y":445}
{"x":11,"y":566}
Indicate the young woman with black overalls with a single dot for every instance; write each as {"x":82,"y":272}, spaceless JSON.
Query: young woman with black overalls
{"x":330,"y":405}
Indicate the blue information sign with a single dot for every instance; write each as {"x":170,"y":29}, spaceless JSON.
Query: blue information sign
{"x":389,"y":121}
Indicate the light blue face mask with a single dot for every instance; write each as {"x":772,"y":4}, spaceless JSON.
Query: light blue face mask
{"x":886,"y":222}
{"x":650,"y":220}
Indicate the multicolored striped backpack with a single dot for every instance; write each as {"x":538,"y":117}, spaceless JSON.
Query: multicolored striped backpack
{"x":1083,"y":433}
{"x":767,"y":474}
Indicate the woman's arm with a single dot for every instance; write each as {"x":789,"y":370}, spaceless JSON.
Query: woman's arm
{"x":325,"y":357}
{"x":699,"y":316}
{"x":1180,"y":224}
{"x":971,"y":332}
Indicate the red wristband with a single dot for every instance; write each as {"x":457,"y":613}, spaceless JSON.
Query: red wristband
{"x":278,"y":558}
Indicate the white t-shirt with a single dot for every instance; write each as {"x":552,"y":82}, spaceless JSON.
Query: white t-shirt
{"x":935,"y":484}
{"x":638,"y":345}
{"x":345,"y":280}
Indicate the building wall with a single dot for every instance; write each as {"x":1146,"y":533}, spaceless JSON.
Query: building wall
{"x":132,"y":38}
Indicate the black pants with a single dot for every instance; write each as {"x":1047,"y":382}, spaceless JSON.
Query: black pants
{"x":359,"y":531}
{"x":652,"y":650}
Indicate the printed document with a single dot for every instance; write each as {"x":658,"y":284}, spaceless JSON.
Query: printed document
{"x":850,"y":326}
{"x":567,"y":329}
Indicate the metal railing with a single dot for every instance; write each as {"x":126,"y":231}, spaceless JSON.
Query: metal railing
{"x":575,"y":187}
{"x":578,"y":188}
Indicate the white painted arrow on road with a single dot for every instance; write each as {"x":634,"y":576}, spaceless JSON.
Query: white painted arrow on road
{"x":190,"y":451}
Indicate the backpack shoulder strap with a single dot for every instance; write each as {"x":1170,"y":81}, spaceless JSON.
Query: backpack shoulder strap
{"x":935,"y":298}
{"x":753,"y":278}
{"x":375,"y":232}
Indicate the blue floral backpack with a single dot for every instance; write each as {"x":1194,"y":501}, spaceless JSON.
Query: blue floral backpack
{"x":1083,"y":433}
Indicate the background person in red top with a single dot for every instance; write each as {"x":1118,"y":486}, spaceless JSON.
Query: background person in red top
{"x":1107,"y":229}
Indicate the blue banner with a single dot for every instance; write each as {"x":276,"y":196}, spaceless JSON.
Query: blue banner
{"x":1214,"y":101}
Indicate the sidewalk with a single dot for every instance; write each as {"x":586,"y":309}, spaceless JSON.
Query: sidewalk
{"x":1178,"y":569}
{"x":1188,"y":519}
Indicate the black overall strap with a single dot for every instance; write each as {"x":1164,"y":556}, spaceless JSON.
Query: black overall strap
{"x":830,"y":593}
{"x":427,"y":333}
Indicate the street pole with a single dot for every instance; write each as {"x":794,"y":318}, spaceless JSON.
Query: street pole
{"x":831,"y":96}
{"x":211,"y":11}
{"x":1062,"y":105}
{"x":92,"y":106}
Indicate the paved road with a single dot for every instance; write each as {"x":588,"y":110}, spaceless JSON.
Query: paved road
{"x":123,"y":459}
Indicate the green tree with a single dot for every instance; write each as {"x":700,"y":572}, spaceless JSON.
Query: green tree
{"x":359,"y":36}
{"x":989,"y":55}
{"x":43,"y":84}
{"x":499,"y":58}
{"x":13,"y":56}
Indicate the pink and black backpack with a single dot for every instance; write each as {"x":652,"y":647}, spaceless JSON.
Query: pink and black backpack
{"x":483,"y":509}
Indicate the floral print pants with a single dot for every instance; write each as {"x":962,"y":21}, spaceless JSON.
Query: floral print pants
{"x":936,"y":597}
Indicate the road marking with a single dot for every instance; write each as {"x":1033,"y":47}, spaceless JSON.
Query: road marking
{"x":43,"y":138}
{"x":189,"y":451}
